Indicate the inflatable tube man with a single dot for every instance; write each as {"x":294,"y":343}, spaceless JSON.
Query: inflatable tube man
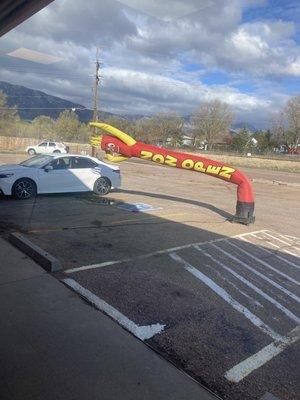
{"x":119,"y":146}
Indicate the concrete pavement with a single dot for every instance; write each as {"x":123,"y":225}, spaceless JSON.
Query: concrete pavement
{"x":55,"y":346}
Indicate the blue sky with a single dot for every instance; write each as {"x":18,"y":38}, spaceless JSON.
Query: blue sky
{"x":164,"y":56}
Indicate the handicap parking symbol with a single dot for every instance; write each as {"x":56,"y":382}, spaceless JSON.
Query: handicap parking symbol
{"x":137,"y":207}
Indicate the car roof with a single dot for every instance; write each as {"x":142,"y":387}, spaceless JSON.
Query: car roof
{"x":73,"y":155}
{"x":55,"y":156}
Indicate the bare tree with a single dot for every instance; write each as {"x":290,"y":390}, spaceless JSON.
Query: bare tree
{"x":119,"y":122}
{"x":278,"y":128}
{"x":211,"y":120}
{"x":169,"y":127}
{"x":292,"y":114}
{"x":285,"y":125}
{"x":160,"y":128}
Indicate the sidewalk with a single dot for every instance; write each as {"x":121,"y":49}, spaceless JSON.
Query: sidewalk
{"x":55,"y":346}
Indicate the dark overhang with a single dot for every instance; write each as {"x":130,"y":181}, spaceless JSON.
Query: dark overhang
{"x":14,"y":12}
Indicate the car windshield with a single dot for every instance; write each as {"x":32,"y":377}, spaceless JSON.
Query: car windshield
{"x":36,"y":162}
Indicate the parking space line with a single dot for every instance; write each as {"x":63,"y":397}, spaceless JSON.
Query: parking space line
{"x":246,"y":367}
{"x":281,"y":241}
{"x":283,"y":249}
{"x":287,"y":237}
{"x":264,"y":263}
{"x":278,"y":305}
{"x":254,"y":271}
{"x":147,"y":255}
{"x":142,"y":332}
{"x":287,"y":244}
{"x":227,"y":297}
{"x":274,"y":254}
{"x":221,"y":276}
{"x":294,"y":238}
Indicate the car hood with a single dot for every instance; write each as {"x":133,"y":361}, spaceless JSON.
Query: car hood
{"x":13,"y":168}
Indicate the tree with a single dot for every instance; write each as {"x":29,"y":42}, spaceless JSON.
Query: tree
{"x":264,"y":140}
{"x":43,"y":127}
{"x":146,"y":130}
{"x":8,"y":116}
{"x":241,"y":141}
{"x":211,"y":120}
{"x":67,"y":126}
{"x":278,"y":129}
{"x":285,"y":125}
{"x":292,"y":114}
{"x":169,"y":127}
{"x":121,"y":123}
{"x":161,"y":128}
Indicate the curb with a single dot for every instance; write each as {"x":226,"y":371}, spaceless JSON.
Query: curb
{"x":44,"y":259}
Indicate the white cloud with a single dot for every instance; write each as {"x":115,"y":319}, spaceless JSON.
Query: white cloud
{"x":173,"y":94}
{"x":168,"y":9}
{"x":146,"y":60}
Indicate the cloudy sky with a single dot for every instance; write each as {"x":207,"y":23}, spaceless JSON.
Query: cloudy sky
{"x":163,"y":55}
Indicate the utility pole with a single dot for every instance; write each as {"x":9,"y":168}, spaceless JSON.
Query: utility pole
{"x":96,"y":85}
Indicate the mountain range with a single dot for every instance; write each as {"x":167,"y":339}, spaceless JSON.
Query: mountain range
{"x":32,"y":103}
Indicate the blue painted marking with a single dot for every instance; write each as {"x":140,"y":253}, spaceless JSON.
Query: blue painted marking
{"x":137,"y":207}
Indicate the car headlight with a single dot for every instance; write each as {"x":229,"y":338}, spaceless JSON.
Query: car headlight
{"x":8,"y":175}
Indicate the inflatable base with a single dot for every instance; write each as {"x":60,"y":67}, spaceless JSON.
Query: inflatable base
{"x":244,"y":213}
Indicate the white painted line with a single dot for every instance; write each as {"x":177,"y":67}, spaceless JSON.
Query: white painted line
{"x":257,"y":303}
{"x":282,"y":249}
{"x":142,"y":332}
{"x":275,"y":284}
{"x":227,"y":297}
{"x":263,"y":263}
{"x":148,"y":255}
{"x":278,"y":305}
{"x":294,"y":239}
{"x":284,"y":242}
{"x":241,"y":370}
{"x":273,"y":254}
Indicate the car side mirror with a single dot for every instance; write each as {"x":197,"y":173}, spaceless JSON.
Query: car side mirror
{"x":48,"y":168}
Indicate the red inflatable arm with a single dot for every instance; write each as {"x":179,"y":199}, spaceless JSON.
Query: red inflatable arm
{"x":119,"y":146}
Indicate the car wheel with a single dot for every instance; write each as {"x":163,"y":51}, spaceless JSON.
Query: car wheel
{"x":24,"y":189}
{"x":102,"y":186}
{"x":56,"y":152}
{"x":32,"y":152}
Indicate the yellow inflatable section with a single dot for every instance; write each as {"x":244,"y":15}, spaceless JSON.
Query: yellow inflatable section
{"x":115,"y":132}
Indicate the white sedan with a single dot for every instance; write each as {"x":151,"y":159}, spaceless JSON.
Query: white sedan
{"x":58,"y":174}
{"x":47,"y":148}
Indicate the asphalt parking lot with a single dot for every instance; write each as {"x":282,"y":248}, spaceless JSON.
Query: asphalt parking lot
{"x":219,"y":300}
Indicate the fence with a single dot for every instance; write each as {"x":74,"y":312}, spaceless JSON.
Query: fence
{"x":19,"y":144}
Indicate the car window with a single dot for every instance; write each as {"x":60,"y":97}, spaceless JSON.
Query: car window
{"x":51,"y":144}
{"x":37,"y":161}
{"x":61,"y":163}
{"x":81,"y":162}
{"x":43,"y":144}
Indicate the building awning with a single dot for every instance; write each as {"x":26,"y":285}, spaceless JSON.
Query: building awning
{"x":14,"y":12}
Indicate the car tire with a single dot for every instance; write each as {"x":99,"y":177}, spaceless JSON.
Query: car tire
{"x":24,"y":189}
{"x":102,"y":186}
{"x":31,"y":152}
{"x":56,"y":152}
